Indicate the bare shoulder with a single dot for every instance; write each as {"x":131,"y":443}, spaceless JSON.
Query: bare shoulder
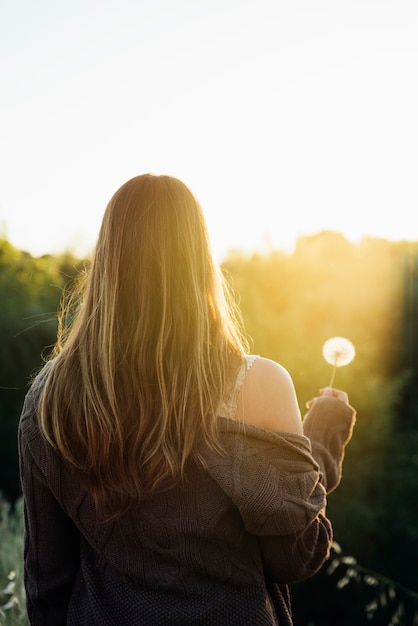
{"x":267,"y":398}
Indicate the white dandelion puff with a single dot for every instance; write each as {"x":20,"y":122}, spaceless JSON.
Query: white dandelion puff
{"x":338,"y":351}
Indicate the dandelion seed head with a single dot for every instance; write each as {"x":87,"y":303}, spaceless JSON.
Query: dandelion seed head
{"x":338,"y":351}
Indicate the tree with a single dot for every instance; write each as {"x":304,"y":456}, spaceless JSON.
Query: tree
{"x":30,"y":292}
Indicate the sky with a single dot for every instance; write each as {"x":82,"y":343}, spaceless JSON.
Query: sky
{"x":284,"y":117}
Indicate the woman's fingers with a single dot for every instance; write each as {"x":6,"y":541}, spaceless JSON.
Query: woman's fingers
{"x":329,"y":391}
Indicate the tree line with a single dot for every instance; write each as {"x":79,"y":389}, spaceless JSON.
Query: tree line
{"x":30,"y":292}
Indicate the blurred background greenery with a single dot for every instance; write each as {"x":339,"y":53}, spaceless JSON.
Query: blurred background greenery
{"x":290,"y":303}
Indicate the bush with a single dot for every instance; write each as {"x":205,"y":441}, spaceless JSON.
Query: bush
{"x":346,"y":593}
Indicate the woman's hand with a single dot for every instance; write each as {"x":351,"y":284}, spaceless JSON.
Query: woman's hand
{"x":329,"y":391}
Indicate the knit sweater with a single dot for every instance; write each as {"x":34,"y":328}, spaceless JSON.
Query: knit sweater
{"x":217,"y":550}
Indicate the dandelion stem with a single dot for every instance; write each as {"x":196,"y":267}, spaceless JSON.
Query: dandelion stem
{"x":334,"y":369}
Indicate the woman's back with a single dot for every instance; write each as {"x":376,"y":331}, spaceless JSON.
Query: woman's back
{"x":210,"y":550}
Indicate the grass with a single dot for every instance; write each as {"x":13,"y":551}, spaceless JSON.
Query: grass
{"x":12,"y":594}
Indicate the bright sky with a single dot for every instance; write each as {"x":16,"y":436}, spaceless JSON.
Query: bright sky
{"x":284,"y":117}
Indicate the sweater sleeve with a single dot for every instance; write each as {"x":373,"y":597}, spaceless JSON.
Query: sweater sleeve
{"x":329,"y":425}
{"x":51,"y":541}
{"x":276,"y":485}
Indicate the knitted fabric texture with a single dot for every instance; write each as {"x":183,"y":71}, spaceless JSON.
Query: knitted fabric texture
{"x":329,"y":436}
{"x":219,"y":549}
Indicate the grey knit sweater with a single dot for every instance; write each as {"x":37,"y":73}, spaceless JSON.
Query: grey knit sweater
{"x":217,"y":550}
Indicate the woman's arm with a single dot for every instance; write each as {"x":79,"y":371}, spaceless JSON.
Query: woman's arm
{"x":292,"y":558}
{"x":267,"y":399}
{"x":329,"y":425}
{"x":277,"y":477}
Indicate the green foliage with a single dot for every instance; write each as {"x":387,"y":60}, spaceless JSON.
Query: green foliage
{"x":346,"y":593}
{"x":292,"y":303}
{"x":12,"y":595}
{"x":30,"y":292}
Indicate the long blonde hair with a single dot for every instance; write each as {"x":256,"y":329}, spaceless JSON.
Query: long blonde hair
{"x":139,"y":373}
